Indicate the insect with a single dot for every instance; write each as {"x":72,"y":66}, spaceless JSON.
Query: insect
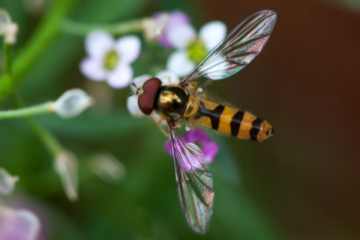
{"x":187,"y":103}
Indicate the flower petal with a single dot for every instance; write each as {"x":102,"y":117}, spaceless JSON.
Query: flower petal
{"x":18,"y":224}
{"x":188,"y":155}
{"x":98,"y":42}
{"x":180,"y":36}
{"x":168,"y":78}
{"x":128,"y":48}
{"x":138,"y":82}
{"x":213,"y":33}
{"x":133,"y":106}
{"x":174,"y":19}
{"x":92,"y":68}
{"x":196,"y":135}
{"x":120,"y":77}
{"x":179,"y":63}
{"x":209,"y":148}
{"x":178,"y":17}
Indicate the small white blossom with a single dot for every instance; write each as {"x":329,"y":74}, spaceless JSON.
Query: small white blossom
{"x":72,"y":103}
{"x":107,"y":167}
{"x":66,"y":166}
{"x":18,"y":224}
{"x":166,"y":78}
{"x":192,"y":48}
{"x":110,"y":60}
{"x":7,"y":182}
{"x":8,"y":28}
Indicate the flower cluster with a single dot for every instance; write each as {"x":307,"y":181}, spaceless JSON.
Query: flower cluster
{"x":8,"y":28}
{"x":111,"y":60}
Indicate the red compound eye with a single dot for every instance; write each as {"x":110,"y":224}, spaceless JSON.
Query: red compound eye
{"x":147,"y":98}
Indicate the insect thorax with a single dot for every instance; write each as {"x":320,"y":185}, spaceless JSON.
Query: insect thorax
{"x":172,"y":101}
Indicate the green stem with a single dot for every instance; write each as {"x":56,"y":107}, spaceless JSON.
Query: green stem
{"x":7,"y":59}
{"x":50,"y":142}
{"x":76,"y":28}
{"x":42,"y":38}
{"x":26,"y":112}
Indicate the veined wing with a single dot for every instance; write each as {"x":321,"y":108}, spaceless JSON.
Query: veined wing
{"x":195,"y":185}
{"x":239,"y":48}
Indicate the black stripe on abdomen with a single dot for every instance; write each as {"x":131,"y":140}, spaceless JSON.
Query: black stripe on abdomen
{"x":214,"y":115}
{"x":236,"y":123}
{"x":255,"y":129}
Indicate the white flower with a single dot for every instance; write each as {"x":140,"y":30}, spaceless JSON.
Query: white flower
{"x":193,"y":48}
{"x":18,"y":224}
{"x":7,"y":182}
{"x":8,"y":28}
{"x":110,"y":60}
{"x":72,"y":103}
{"x":66,"y":166}
{"x":166,"y":78}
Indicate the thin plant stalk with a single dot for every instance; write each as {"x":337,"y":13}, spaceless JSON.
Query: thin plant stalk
{"x":44,"y":36}
{"x":82,"y":29}
{"x":26,"y":112}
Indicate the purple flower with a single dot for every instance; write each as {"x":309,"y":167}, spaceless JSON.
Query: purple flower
{"x":18,"y":224}
{"x":175,"y":21}
{"x":193,"y":150}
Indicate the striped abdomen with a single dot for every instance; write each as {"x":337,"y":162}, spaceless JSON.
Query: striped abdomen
{"x":231,"y":121}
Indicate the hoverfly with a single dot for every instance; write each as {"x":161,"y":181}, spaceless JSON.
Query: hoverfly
{"x":186,"y":103}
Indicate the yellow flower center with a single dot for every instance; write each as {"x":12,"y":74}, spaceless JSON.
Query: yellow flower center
{"x":111,"y":60}
{"x":196,"y":51}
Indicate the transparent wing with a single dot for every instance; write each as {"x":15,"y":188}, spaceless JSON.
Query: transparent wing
{"x":239,"y":48}
{"x":195,"y":187}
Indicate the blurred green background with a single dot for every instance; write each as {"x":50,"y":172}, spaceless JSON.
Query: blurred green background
{"x":301,"y":184}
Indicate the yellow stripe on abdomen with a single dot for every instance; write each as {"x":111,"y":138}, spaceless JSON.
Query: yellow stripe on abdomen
{"x":245,"y":125}
{"x":225,"y":120}
{"x":231,"y":121}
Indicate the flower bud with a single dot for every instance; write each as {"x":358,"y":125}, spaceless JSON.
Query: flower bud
{"x":154,"y":27}
{"x":7,"y":182}
{"x":107,"y":167}
{"x":8,"y":28}
{"x":72,"y":103}
{"x":66,"y":166}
